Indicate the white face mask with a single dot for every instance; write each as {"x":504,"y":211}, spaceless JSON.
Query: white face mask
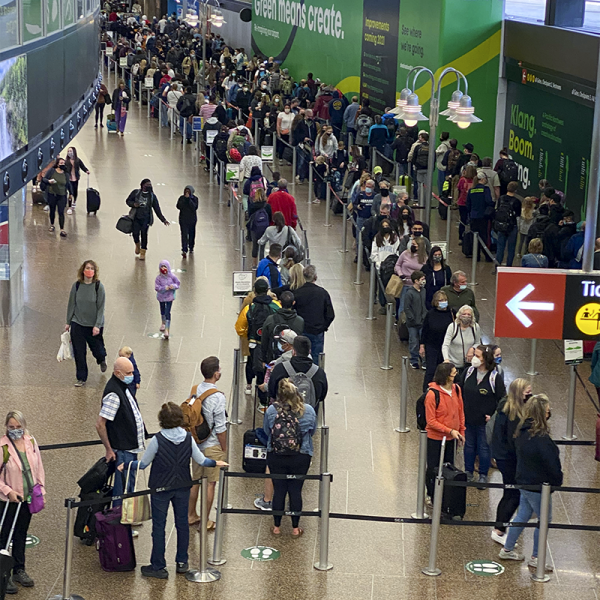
{"x":476,"y":362}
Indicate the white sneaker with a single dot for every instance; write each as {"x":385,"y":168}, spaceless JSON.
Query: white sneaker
{"x":69,"y":211}
{"x":73,"y":205}
{"x":46,"y":208}
{"x":512,"y":555}
{"x":134,"y":533}
{"x":498,"y":538}
{"x":248,"y":390}
{"x":533,"y":562}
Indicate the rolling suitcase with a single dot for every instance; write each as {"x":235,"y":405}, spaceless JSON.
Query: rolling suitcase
{"x":115,"y":542}
{"x":37,"y":196}
{"x":467,"y":244}
{"x":454,"y":500}
{"x":92,"y":199}
{"x":255,"y":452}
{"x":443,"y":211}
{"x":7,"y":562}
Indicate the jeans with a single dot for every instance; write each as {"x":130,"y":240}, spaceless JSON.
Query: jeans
{"x":401,"y":301}
{"x":165,"y":310}
{"x":317,"y":343}
{"x":81,"y":337}
{"x":414,"y":340}
{"x":528,"y":505}
{"x":20,"y":533}
{"x":510,"y":499}
{"x":140,"y":229}
{"x":476,"y":444}
{"x":60,"y":203}
{"x":99,"y":113}
{"x":124,"y":457}
{"x":419,"y":191}
{"x":160,"y":506}
{"x":402,"y":169}
{"x":505,"y":239}
{"x":188,"y":236}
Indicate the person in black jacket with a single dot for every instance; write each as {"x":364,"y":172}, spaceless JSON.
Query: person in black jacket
{"x":285,"y":316}
{"x":509,"y":414}
{"x":304,"y":135}
{"x":482,"y":389}
{"x":434,"y":329}
{"x":538,"y":462}
{"x":401,"y":145}
{"x":437,"y":274}
{"x":187,"y":205}
{"x":313,"y":304}
{"x":74,"y":165}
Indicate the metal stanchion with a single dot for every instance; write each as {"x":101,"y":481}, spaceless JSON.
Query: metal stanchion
{"x":211,"y":172}
{"x":532,"y":363}
{"x":389,"y":323}
{"x":571,"y":409}
{"x":232,"y":201}
{"x":310,"y":182}
{"x":256,"y":134}
{"x":397,"y":174}
{"x":221,"y":180}
{"x":66,"y":594}
{"x":149,"y":94}
{"x":242,"y":250}
{"x":327,"y":204}
{"x":321,"y":413}
{"x":344,"y":229}
{"x":540,"y":574}
{"x":448,"y":225}
{"x":322,"y":360}
{"x":217,"y":557}
{"x":324,"y":501}
{"x":306,"y":248}
{"x":359,"y":259}
{"x":474,"y":261}
{"x":350,"y":141}
{"x":431,"y":569}
{"x":203,"y":574}
{"x":402,"y":428}
{"x":371,"y":299}
{"x":324,"y":449}
{"x":172,"y":122}
{"x":294,"y":163}
{"x":228,"y":461}
{"x":235,"y":401}
{"x":421,"y":514}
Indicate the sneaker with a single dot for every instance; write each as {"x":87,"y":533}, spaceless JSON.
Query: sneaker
{"x":423,"y":366}
{"x":262,"y":504}
{"x":148,"y":571}
{"x":103,"y":366}
{"x":79,"y":383}
{"x":69,"y":211}
{"x":261,"y":409}
{"x":135,"y":533}
{"x":533,"y":562}
{"x":510,"y":555}
{"x":414,"y":365}
{"x":470,"y":476}
{"x":63,"y":234}
{"x":184,"y":255}
{"x":22,"y":578}
{"x":316,"y":201}
{"x":183,"y":567}
{"x":382,"y":310}
{"x":74,"y":205}
{"x":498,"y":538}
{"x":482,"y":479}
{"x":248,"y":390}
{"x":46,"y":208}
{"x":11,"y":587}
{"x":162,"y":327}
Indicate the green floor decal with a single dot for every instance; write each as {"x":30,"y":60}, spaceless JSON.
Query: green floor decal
{"x":261,"y":553}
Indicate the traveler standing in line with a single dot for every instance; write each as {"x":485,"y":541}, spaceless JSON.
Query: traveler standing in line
{"x":120,"y":102}
{"x":166,"y":285}
{"x":482,"y":389}
{"x":444,"y":419}
{"x":187,"y":205}
{"x":461,"y":336}
{"x":412,"y":259}
{"x":433,"y":332}
{"x":437,"y":274}
{"x":479,"y":200}
{"x":73,"y":167}
{"x":290,"y":425}
{"x":508,"y":416}
{"x":440,"y":152}
{"x":508,"y":212}
{"x":465,"y":183}
{"x":415,"y":311}
{"x":144,"y":204}
{"x":21,"y":473}
{"x":85,"y":319}
{"x":215,"y":446}
{"x":313,"y":304}
{"x":284,"y":128}
{"x":538,"y":461}
{"x":102,"y":100}
{"x":269,"y":266}
{"x":169,"y":452}
{"x":286,"y":317}
{"x":459,"y":293}
{"x":280,"y":233}
{"x":419,"y":160}
{"x":282,"y":201}
{"x":58,"y":186}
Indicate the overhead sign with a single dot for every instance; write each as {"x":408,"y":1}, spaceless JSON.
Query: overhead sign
{"x":550,"y":304}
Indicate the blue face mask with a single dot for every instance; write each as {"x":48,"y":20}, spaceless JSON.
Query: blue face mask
{"x":369,"y":190}
{"x":128,"y":379}
{"x":279,"y":347}
{"x":443,"y":305}
{"x":498,"y":360}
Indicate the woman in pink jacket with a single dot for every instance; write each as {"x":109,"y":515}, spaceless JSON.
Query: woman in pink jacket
{"x":412,"y":259}
{"x":21,"y":470}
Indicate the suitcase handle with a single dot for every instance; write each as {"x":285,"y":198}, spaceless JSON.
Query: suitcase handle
{"x":442,"y":449}
{"x":12,"y":529}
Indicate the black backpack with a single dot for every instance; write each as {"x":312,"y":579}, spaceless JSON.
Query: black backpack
{"x":220,"y":148}
{"x":509,"y":171}
{"x":505,"y":219}
{"x":386,"y":270}
{"x":421,"y":415}
{"x":422,"y":155}
{"x":257,"y":315}
{"x":185,"y":106}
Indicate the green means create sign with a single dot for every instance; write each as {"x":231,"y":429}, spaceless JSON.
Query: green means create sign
{"x":484,"y":568}
{"x":261,"y":553}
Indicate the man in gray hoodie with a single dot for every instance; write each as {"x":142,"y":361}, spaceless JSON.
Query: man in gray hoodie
{"x":415,"y":311}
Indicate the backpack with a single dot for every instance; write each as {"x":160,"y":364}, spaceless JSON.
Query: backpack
{"x":135,"y":69}
{"x":287,"y":86}
{"x":256,"y":185}
{"x":193,"y":419}
{"x":303,"y":94}
{"x":239,"y":142}
{"x":298,"y":252}
{"x":185,"y":106}
{"x":275,"y":82}
{"x":220,"y":148}
{"x":509,"y":171}
{"x":505,"y":219}
{"x":259,"y":222}
{"x":304,"y":383}
{"x":286,"y":437}
{"x":257,"y":315}
{"x":422,"y":155}
{"x":453,"y":156}
{"x":234,"y":155}
{"x":386,"y":270}
{"x":363,"y":124}
{"x":420,"y":407}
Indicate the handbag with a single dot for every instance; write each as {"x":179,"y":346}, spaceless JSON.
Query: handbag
{"x":137,"y":509}
{"x":394,"y":286}
{"x":125,"y":224}
{"x":36,"y":496}
{"x":65,"y":352}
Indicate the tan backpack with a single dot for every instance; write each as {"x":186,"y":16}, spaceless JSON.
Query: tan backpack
{"x":193,"y":419}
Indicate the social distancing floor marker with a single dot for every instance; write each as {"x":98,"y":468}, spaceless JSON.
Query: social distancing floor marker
{"x":261,"y":553}
{"x":484,"y":568}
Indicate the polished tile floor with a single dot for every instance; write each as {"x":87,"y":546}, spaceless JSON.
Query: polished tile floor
{"x":374,"y":468}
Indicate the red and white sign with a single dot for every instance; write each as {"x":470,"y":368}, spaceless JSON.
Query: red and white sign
{"x":530,"y":303}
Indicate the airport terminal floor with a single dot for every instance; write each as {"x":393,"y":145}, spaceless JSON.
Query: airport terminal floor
{"x":374,"y":468}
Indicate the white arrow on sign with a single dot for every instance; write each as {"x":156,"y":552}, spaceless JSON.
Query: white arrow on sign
{"x":517,"y":306}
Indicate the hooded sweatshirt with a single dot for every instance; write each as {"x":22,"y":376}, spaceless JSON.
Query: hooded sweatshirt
{"x":187,"y":207}
{"x":284,"y":316}
{"x":162,"y":281}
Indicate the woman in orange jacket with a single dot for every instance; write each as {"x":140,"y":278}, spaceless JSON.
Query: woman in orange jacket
{"x":445,"y":418}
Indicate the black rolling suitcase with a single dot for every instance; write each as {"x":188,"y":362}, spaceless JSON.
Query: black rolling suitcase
{"x":454,"y":501}
{"x":92,"y":199}
{"x":255,"y":452}
{"x":443,"y":211}
{"x":7,"y":562}
{"x":467,"y":244}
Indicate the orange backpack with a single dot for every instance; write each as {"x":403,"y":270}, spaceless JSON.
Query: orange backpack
{"x":193,"y":419}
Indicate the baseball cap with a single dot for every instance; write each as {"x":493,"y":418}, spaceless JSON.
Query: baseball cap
{"x":468,"y":147}
{"x":377,"y":170}
{"x":261,"y":286}
{"x":288,"y":336}
{"x":481,"y":176}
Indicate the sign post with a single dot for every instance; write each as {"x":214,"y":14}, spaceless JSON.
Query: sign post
{"x":573,"y":357}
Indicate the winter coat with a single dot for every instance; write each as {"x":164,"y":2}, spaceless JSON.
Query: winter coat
{"x":187,"y":207}
{"x":163,"y":281}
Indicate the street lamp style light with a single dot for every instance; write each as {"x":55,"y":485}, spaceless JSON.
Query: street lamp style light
{"x":459,"y":111}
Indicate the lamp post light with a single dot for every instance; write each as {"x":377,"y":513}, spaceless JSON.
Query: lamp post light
{"x":460,"y":111}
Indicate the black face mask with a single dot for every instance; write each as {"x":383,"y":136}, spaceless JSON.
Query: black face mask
{"x":147,"y":188}
{"x":417,"y":233}
{"x":405,"y":217}
{"x":414,"y":249}
{"x":527,"y":396}
{"x":386,"y":230}
{"x":384,"y":193}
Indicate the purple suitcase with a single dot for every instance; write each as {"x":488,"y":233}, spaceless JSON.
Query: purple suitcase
{"x":115,"y":542}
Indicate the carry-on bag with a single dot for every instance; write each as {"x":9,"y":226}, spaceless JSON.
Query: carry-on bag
{"x":254,"y":459}
{"x":92,"y":198}
{"x":115,"y":541}
{"x":467,"y":244}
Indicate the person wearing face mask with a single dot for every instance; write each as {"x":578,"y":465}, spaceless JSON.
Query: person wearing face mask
{"x":418,"y":230}
{"x":304,"y":135}
{"x":384,"y":245}
{"x":57,"y":185}
{"x":482,"y":389}
{"x":405,"y":218}
{"x":538,"y":461}
{"x":364,"y":202}
{"x":144,"y":204}
{"x":120,"y":425}
{"x":284,"y":127}
{"x":433,"y":332}
{"x":166,"y":285}
{"x":383,"y":197}
{"x":85,"y":319}
{"x":326,"y":144}
{"x":508,"y":416}
{"x":461,"y":336}
{"x":497,"y":352}
{"x":412,"y":259}
{"x":415,"y":311}
{"x":459,"y":294}
{"x":243,"y":100}
{"x":437,"y":274}
{"x":120,"y":101}
{"x":20,"y":473}
{"x":73,"y":167}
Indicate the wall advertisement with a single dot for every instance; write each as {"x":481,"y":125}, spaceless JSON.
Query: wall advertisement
{"x":13,"y":105}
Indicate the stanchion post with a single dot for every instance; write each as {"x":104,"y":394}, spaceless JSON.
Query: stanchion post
{"x":389,"y":324}
{"x":421,"y":514}
{"x":294,"y":163}
{"x":256,"y":134}
{"x":66,"y":593}
{"x":474,"y":261}
{"x":540,"y":574}
{"x":235,"y":401}
{"x":344,"y":228}
{"x":322,"y":360}
{"x":310,"y":182}
{"x":431,"y":569}
{"x":532,"y":362}
{"x":324,"y":449}
{"x":359,"y":253}
{"x":321,"y":407}
{"x":232,"y":201}
{"x":323,"y":563}
{"x":371,"y":300}
{"x":448,"y":225}
{"x":571,"y":408}
{"x":402,"y":428}
{"x":211,"y":173}
{"x":221,"y":181}
{"x":217,"y":558}
{"x":203,"y":574}
{"x":327,"y":204}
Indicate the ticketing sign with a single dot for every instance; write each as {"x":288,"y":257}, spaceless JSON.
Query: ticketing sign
{"x":549,"y":304}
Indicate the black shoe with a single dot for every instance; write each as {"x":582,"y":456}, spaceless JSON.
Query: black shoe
{"x":183,"y":567}
{"x":148,"y":571}
{"x":103,"y":366}
{"x":22,"y":578}
{"x":11,"y":587}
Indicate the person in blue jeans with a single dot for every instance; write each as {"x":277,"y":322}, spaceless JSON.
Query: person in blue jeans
{"x":482,"y":389}
{"x":169,"y":452}
{"x":538,"y":462}
{"x":415,"y":311}
{"x":505,"y":224}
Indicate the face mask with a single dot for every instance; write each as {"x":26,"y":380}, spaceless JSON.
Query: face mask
{"x":61,"y":167}
{"x":287,"y":111}
{"x":280,"y":347}
{"x":549,"y":415}
{"x":89,"y":272}
{"x":163,"y":270}
{"x":386,"y":230}
{"x":128,"y":379}
{"x":498,"y":360}
{"x":385,"y":193}
{"x":443,"y":305}
{"x":413,"y":249}
{"x":465,"y":320}
{"x":70,"y":153}
{"x":405,"y":217}
{"x":527,"y":396}
{"x":369,"y":190}
{"x":148,"y":187}
{"x":417,"y":233}
{"x":475,"y":362}
{"x":462,"y":287}
{"x":15,"y":434}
